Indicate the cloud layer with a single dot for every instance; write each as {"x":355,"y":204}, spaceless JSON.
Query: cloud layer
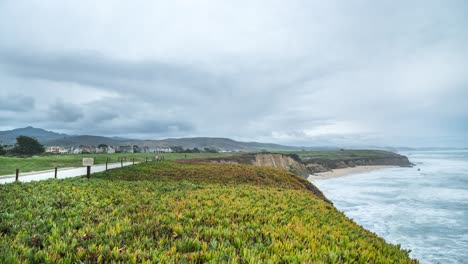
{"x":295,"y":72}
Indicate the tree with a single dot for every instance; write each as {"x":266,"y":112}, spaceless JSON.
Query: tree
{"x":27,"y":146}
{"x":196,"y":150}
{"x":2,"y":150}
{"x":177,"y":149}
{"x":187,"y":151}
{"x":210,"y":150}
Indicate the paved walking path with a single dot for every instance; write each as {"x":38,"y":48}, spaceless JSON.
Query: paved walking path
{"x":61,"y":173}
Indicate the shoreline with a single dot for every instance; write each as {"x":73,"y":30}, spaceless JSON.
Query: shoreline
{"x":347,"y":171}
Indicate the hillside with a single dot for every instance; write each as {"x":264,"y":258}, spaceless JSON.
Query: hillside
{"x":85,"y":140}
{"x":172,"y":212}
{"x":214,"y":143}
{"x":197,"y":142}
{"x":50,"y":138}
{"x":9,"y":136}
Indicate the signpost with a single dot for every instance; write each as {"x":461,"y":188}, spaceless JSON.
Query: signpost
{"x":88,"y":162}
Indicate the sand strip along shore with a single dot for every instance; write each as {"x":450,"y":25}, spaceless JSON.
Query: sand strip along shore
{"x":346,"y":171}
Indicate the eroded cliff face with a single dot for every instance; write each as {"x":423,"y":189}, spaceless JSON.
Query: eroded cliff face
{"x":307,"y":167}
{"x":273,"y":160}
{"x":280,"y":161}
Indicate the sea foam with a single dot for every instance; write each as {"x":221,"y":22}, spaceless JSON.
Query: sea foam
{"x":424,"y":210}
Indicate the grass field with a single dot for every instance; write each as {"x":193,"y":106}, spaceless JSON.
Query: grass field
{"x":341,"y":154}
{"x":8,"y":165}
{"x":167,"y":212}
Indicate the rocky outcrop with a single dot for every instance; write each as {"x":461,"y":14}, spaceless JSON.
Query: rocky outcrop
{"x":316,"y":168}
{"x":320,"y":164}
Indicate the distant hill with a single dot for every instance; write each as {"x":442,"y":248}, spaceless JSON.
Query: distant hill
{"x":9,"y":136}
{"x":50,"y":138}
{"x":198,"y":142}
{"x":86,"y":140}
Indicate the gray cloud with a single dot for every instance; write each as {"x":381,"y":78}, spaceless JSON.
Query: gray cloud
{"x":296,"y":72}
{"x":64,"y":112}
{"x":16,"y":102}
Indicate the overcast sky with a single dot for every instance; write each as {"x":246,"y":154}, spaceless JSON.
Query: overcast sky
{"x":291,"y":72}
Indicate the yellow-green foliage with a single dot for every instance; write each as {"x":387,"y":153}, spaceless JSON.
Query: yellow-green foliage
{"x":170,"y":212}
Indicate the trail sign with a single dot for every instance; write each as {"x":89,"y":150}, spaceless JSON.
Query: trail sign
{"x":88,"y":161}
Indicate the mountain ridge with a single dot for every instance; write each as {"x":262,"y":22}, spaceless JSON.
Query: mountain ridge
{"x":9,"y":136}
{"x":50,"y":138}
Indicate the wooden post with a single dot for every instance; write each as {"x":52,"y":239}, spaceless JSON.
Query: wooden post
{"x":17,"y":174}
{"x":121,"y":162}
{"x":55,"y":172}
{"x":88,"y":172}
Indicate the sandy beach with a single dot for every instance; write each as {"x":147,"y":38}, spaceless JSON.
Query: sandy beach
{"x":345,"y":172}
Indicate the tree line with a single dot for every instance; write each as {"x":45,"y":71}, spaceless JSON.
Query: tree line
{"x":178,"y":149}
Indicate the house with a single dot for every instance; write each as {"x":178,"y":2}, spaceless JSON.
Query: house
{"x":164,"y":150}
{"x":76,"y":151}
{"x":137,"y":149}
{"x":64,"y":151}
{"x":100,"y":150}
{"x":110,"y":150}
{"x":126,"y":149}
{"x":55,"y":149}
{"x":87,"y":149}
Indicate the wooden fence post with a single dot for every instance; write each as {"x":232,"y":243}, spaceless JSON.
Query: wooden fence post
{"x":107,"y":161}
{"x":121,"y":162}
{"x":55,"y":172}
{"x":17,"y":174}
{"x":88,"y":172}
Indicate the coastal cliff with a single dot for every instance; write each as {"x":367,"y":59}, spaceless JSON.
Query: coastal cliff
{"x":304,"y":167}
{"x":316,"y":166}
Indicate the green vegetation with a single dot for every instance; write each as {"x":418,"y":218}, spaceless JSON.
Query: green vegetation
{"x":2,"y":150}
{"x":27,"y":146}
{"x":8,"y":165}
{"x":342,"y":154}
{"x":168,"y":212}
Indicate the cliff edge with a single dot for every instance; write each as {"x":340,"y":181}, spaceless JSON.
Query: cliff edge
{"x":306,"y":166}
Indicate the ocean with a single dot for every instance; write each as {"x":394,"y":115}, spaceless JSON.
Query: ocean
{"x":424,"y":208}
